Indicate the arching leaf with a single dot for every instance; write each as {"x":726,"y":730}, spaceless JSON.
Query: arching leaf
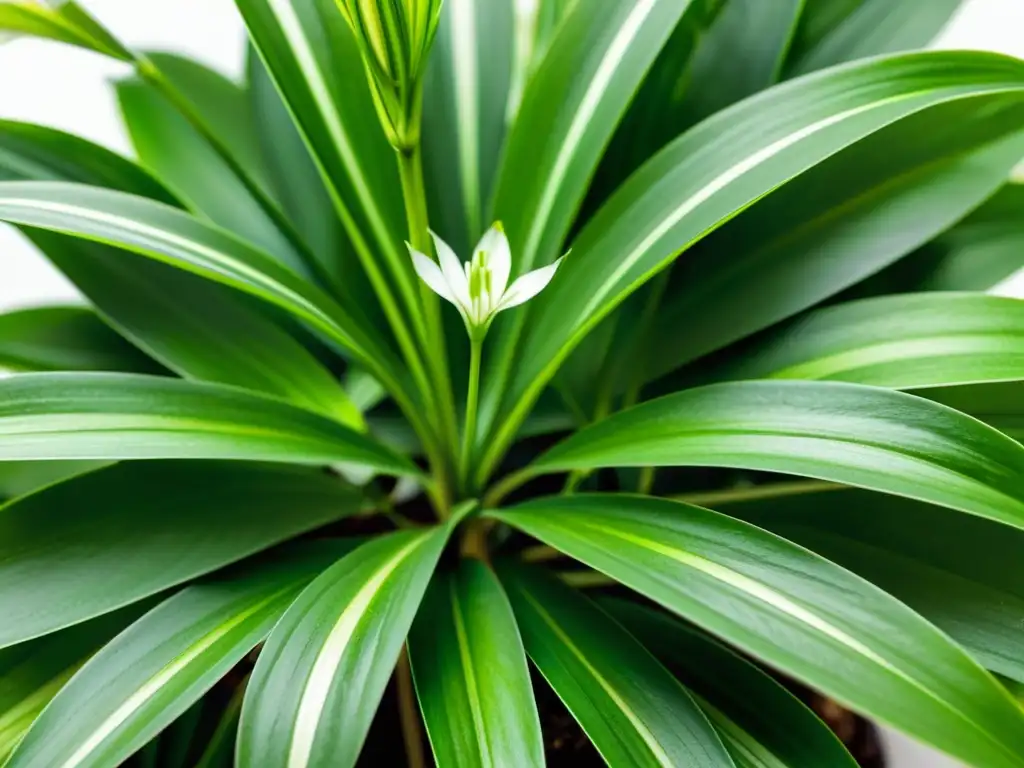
{"x":104,"y":540}
{"x":792,"y":609}
{"x":629,"y":706}
{"x":721,"y":167}
{"x":470,"y":671}
{"x":164,"y":662}
{"x":66,"y":338}
{"x":847,"y":433}
{"x":323,"y":670}
{"x":53,"y":416}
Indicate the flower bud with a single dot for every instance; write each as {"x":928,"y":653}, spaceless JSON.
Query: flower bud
{"x":394,"y":37}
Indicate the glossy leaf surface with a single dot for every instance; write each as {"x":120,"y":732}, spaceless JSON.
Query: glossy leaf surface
{"x":51,"y":416}
{"x":66,"y":338}
{"x":795,"y":611}
{"x":630,"y":707}
{"x":957,"y":571}
{"x":153,"y":671}
{"x":324,"y":668}
{"x":813,"y":238}
{"x":198,"y":329}
{"x":904,"y":342}
{"x":173,"y":237}
{"x":834,"y":31}
{"x":470,"y":671}
{"x":857,"y":435}
{"x":81,"y":548}
{"x":721,"y":167}
{"x":761,"y":723}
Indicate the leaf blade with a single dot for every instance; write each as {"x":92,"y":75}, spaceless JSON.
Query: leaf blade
{"x":715,"y":171}
{"x":847,"y":433}
{"x":66,"y":338}
{"x":341,"y":638}
{"x":737,"y":696}
{"x":815,"y":620}
{"x":164,"y":662}
{"x":48,"y":416}
{"x":953,"y":569}
{"x":932,"y":340}
{"x":634,"y":712}
{"x":470,"y":671}
{"x":62,"y":566}
{"x":172,"y":237}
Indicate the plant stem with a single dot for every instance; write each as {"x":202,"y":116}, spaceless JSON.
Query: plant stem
{"x":645,"y":482}
{"x":412,"y":735}
{"x":472,"y":400}
{"x":410,"y":168}
{"x":414,"y":193}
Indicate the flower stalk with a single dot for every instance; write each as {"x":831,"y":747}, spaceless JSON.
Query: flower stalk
{"x":472,"y":400}
{"x":480,"y":290}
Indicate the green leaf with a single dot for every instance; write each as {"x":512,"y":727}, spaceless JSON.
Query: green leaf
{"x":534,"y":26}
{"x":793,"y":610}
{"x":315,"y":62}
{"x":1001,"y":404}
{"x":195,"y":327}
{"x":298,"y":185}
{"x":156,"y":669}
{"x":815,"y":237}
{"x":742,"y":53}
{"x":38,"y":153}
{"x":955,"y":570}
{"x":719,"y":168}
{"x":47,"y":416}
{"x":67,"y":23}
{"x":630,"y":707}
{"x":66,"y":338}
{"x":223,"y":107}
{"x":847,"y":433}
{"x":173,"y":237}
{"x":20,"y":477}
{"x":83,"y":548}
{"x":834,"y":31}
{"x":661,"y":108}
{"x":905,"y":342}
{"x":981,"y":251}
{"x":761,"y":723}
{"x":32,"y":673}
{"x":200,"y":329}
{"x":324,"y":668}
{"x":471,"y":676}
{"x":570,"y":108}
{"x":167,"y":144}
{"x":464,"y":105}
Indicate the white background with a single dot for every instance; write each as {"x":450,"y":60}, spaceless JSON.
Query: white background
{"x":69,"y":89}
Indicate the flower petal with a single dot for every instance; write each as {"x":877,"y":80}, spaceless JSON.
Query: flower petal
{"x":499,"y":258}
{"x":528,"y":286}
{"x":454,"y":275}
{"x":431,"y":274}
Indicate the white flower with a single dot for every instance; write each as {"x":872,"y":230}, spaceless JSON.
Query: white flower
{"x":478,"y":288}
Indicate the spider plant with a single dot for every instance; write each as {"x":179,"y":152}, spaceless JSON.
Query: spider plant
{"x":303,"y":477}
